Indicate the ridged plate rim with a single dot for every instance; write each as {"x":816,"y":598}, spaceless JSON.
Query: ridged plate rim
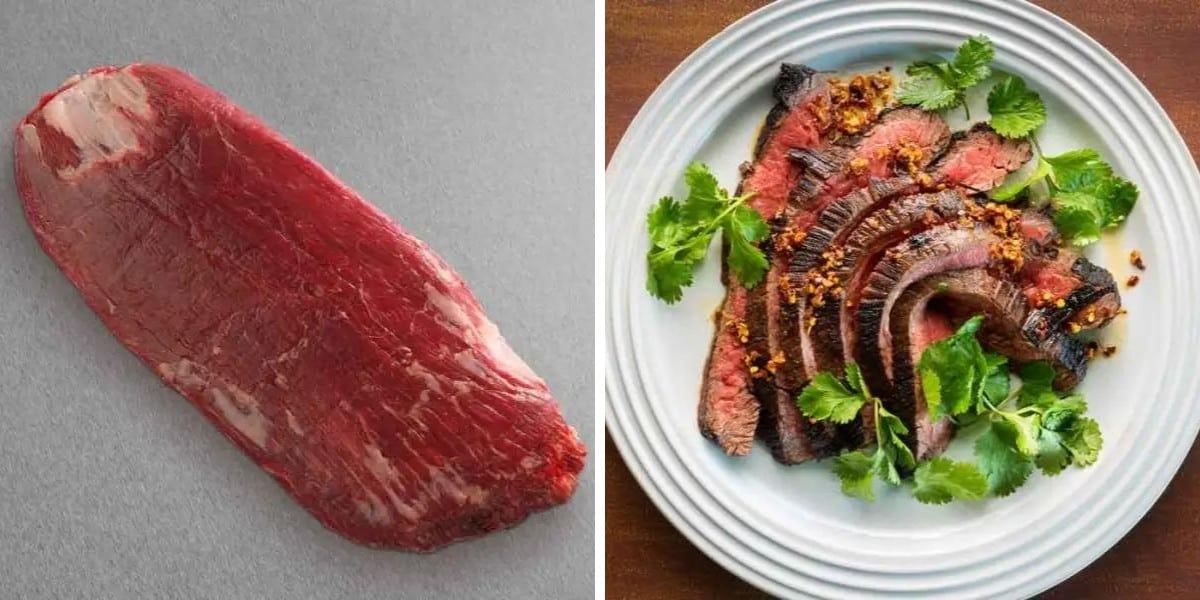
{"x":733,"y":539}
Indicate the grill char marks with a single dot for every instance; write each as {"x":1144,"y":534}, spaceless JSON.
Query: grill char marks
{"x":821,"y":205}
{"x":1005,"y":331}
{"x":728,"y":411}
{"x":931,"y":309}
{"x":937,"y":251}
{"x":833,"y":323}
{"x":1089,"y":294}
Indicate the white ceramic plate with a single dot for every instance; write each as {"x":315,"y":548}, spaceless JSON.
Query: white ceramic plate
{"x":789,"y":530}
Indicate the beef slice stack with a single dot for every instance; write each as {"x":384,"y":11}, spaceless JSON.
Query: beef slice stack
{"x":882,"y":243}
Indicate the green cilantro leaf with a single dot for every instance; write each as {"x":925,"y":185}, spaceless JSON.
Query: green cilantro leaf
{"x":1084,"y":209}
{"x":971,"y":62}
{"x":1009,"y":191}
{"x":1084,"y":441}
{"x":889,"y":435}
{"x":855,"y":380}
{"x":680,"y":234}
{"x":952,"y":371}
{"x":1116,"y":198}
{"x":1061,"y":415}
{"x":1037,"y":381}
{"x":1024,"y":430}
{"x":1005,"y":467}
{"x":1052,"y":456}
{"x":1077,"y":170}
{"x":996,"y":382}
{"x":1077,"y":223}
{"x":827,"y":399}
{"x":1087,"y":197}
{"x":705,"y":199}
{"x":745,"y":260}
{"x":1016,"y":110}
{"x":857,"y":472}
{"x":941,"y":480}
{"x":663,"y":222}
{"x":668,"y":274}
{"x":928,"y":91}
{"x":1044,"y":430}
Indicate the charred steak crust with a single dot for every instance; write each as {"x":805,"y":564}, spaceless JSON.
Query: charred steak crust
{"x":1097,"y":297}
{"x":927,"y":253}
{"x":794,"y":83}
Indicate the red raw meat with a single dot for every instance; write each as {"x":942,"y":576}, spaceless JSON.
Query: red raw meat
{"x":335,"y":349}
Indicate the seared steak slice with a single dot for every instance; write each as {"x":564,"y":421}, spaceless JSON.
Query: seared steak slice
{"x":945,"y":247}
{"x":930,"y":310}
{"x":901,"y":142}
{"x":939,"y":250}
{"x":1005,"y":332}
{"x":901,"y":137}
{"x":979,"y":159}
{"x":1050,"y":273}
{"x":1071,"y":294}
{"x":728,"y":411}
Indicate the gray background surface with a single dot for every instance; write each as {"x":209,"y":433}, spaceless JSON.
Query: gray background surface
{"x":471,"y":123}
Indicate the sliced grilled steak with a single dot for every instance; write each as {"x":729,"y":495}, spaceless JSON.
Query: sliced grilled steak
{"x":1088,"y":294}
{"x":979,"y":159}
{"x":1003,"y":332}
{"x":834,"y":323}
{"x":1049,"y":273}
{"x":930,"y":310}
{"x":728,"y":411}
{"x":939,"y":250}
{"x":830,"y":170}
{"x":901,"y":142}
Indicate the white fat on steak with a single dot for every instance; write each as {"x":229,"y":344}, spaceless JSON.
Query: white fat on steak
{"x":97,"y":112}
{"x":480,"y":332}
{"x":235,"y":406}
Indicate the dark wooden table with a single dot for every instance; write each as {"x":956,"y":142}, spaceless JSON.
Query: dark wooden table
{"x":646,"y":557}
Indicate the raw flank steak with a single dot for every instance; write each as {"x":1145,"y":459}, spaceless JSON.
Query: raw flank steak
{"x":335,"y":349}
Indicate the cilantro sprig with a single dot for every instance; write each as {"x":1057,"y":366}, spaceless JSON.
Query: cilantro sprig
{"x":1043,"y":429}
{"x":1016,"y":111}
{"x":828,"y":398}
{"x":1031,"y":425}
{"x":956,"y":373}
{"x":1027,"y":427}
{"x":681,"y":232}
{"x":940,"y":85}
{"x":1087,"y":196}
